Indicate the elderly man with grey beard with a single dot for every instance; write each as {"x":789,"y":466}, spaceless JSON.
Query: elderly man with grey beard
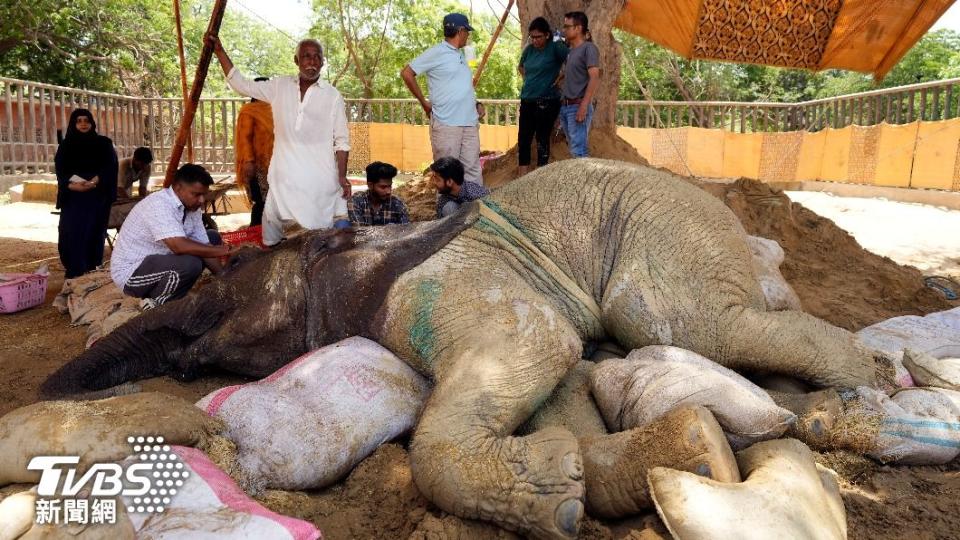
{"x":308,"y":169}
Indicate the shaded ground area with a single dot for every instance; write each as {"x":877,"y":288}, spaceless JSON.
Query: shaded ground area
{"x":35,"y":342}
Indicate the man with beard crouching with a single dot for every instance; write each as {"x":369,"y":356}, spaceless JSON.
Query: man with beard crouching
{"x":377,"y":205}
{"x":452,"y":191}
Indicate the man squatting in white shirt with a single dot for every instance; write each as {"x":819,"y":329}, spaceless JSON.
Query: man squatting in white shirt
{"x":307,"y":183}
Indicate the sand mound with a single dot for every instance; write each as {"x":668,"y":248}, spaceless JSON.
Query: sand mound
{"x":835,"y":278}
{"x":603,"y":144}
{"x":420,"y":196}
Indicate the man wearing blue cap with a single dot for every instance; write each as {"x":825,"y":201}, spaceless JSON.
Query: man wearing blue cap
{"x":453,"y":108}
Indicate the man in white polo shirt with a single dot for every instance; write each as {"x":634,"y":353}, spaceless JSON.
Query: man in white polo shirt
{"x":453,"y":108}
{"x":163,"y":247}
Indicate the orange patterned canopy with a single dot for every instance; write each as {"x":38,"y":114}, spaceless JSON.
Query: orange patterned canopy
{"x":870,"y":36}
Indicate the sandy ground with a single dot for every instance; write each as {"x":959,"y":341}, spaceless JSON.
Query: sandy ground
{"x":379,"y":499}
{"x":920,"y":235}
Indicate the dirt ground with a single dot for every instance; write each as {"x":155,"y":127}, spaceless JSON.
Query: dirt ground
{"x":835,"y":278}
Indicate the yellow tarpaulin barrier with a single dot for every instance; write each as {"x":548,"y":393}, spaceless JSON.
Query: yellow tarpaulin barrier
{"x":670,"y":150}
{"x":417,"y":154}
{"x":895,"y":155}
{"x":836,"y":155}
{"x":497,"y":138}
{"x":862,"y":158}
{"x":705,"y":151}
{"x":779,"y":156}
{"x":935,"y":163}
{"x":919,"y":155}
{"x":640,"y":138}
{"x":741,"y":154}
{"x":810,"y":160}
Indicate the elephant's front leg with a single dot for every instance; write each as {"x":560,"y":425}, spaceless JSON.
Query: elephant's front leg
{"x":497,"y":360}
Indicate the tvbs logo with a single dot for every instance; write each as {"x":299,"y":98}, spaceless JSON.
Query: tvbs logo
{"x":147,"y":483}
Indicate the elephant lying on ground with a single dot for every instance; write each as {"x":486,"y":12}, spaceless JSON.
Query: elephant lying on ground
{"x":494,"y":305}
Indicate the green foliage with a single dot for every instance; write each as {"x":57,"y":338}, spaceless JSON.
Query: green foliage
{"x":936,"y":56}
{"x":407,"y":28}
{"x":127,"y":46}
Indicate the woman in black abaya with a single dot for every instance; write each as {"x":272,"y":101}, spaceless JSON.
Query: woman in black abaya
{"x":87,"y":186}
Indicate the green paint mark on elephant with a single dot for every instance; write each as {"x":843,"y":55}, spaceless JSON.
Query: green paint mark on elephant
{"x":423,"y":337}
{"x":505,"y":215}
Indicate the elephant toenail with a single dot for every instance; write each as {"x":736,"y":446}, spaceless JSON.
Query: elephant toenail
{"x":568,"y":516}
{"x":703,"y":469}
{"x":571,"y":466}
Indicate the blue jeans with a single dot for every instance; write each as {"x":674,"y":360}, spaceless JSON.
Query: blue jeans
{"x":576,"y":132}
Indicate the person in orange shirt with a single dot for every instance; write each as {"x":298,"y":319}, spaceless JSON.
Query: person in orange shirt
{"x":253,"y":148}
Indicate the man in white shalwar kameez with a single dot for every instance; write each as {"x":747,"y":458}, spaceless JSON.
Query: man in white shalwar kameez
{"x":308,"y":170}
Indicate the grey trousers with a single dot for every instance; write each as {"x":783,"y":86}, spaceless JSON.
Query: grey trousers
{"x":462,"y":143}
{"x":167,"y":277}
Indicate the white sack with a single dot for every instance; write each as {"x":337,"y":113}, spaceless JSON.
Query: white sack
{"x":652,"y":381}
{"x":936,"y":334}
{"x":309,"y":423}
{"x":929,"y":371}
{"x":210,"y":505}
{"x":916,"y":426}
{"x":767,"y":258}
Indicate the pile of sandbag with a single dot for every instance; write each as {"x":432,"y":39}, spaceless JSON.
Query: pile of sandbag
{"x":309,"y":423}
{"x":211,"y":503}
{"x":95,"y":301}
{"x":936,"y":334}
{"x":785,"y":495}
{"x":797,"y":497}
{"x":637,"y":390}
{"x":205,"y":501}
{"x":911,"y":426}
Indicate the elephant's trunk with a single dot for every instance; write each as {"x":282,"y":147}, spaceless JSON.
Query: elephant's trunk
{"x":144,"y":347}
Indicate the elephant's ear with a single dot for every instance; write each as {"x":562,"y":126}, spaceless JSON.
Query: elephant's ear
{"x":327,"y":242}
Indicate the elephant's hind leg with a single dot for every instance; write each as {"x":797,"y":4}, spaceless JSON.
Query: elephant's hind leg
{"x":793,"y":343}
{"x":491,"y":376}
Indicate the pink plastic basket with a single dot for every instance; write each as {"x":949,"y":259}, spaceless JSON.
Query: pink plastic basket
{"x":22,"y":291}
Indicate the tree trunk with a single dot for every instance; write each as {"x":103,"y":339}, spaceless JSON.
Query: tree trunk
{"x":601,"y":15}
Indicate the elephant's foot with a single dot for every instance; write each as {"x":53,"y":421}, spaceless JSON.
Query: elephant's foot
{"x":532,"y":484}
{"x":686,"y":439}
{"x":547,"y":496}
{"x":817,"y":415}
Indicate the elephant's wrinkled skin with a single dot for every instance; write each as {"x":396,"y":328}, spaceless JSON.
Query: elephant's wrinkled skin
{"x":621,"y":252}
